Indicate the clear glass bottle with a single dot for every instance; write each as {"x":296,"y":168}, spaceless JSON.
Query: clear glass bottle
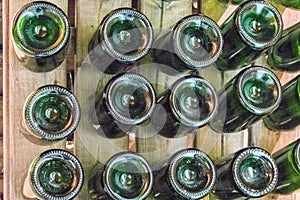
{"x":128,"y":100}
{"x":285,"y":54}
{"x":287,"y":115}
{"x":249,"y":173}
{"x":289,"y":3}
{"x":190,"y":174}
{"x":124,"y":37}
{"x":288,"y":162}
{"x":51,"y":113}
{"x":248,"y":32}
{"x":55,"y":174}
{"x":40,"y":33}
{"x":126,"y":175}
{"x":190,"y":103}
{"x":194,"y":42}
{"x":253,"y":93}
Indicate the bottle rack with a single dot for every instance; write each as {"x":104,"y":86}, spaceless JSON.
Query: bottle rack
{"x":91,"y":148}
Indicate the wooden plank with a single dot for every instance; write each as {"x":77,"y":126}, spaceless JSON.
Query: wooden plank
{"x":18,"y":84}
{"x":90,"y":147}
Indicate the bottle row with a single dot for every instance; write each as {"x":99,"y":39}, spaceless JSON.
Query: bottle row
{"x":129,"y":100}
{"x":41,"y":33}
{"x":287,"y":3}
{"x":188,"y":174}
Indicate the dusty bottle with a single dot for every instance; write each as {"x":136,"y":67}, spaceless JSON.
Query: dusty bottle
{"x":190,"y":103}
{"x":285,"y":54}
{"x":40,"y":32}
{"x":189,"y":174}
{"x":253,"y":93}
{"x":289,"y":3}
{"x":194,"y":42}
{"x":233,"y":2}
{"x":248,"y":173}
{"x":51,"y":113}
{"x":55,"y":174}
{"x":287,"y":115}
{"x":126,"y":175}
{"x":128,"y":100}
{"x":288,"y":162}
{"x":124,"y":37}
{"x":251,"y":29}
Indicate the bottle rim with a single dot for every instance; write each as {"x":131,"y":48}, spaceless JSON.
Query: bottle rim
{"x":63,"y":155}
{"x":248,"y":39}
{"x":107,"y":46}
{"x":113,"y":111}
{"x":141,"y":161}
{"x":243,"y":100}
{"x":172,"y":176}
{"x":54,"y":48}
{"x":239,"y":182}
{"x":28,"y":113}
{"x":297,"y":154}
{"x":183,"y":119}
{"x":179,"y":27}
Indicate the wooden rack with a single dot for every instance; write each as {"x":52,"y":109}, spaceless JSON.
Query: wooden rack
{"x":89,"y":147}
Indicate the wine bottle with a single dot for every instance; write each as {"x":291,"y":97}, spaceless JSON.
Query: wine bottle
{"x":51,"y":113}
{"x":287,"y":116}
{"x":285,"y":54}
{"x":194,"y":42}
{"x":253,"y":93}
{"x":189,"y":104}
{"x":189,"y":174}
{"x":123,"y":38}
{"x":289,"y":3}
{"x":40,"y":33}
{"x":248,"y":32}
{"x":249,"y":173}
{"x":128,"y":100}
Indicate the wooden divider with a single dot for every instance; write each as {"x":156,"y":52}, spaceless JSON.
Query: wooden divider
{"x":92,"y":148}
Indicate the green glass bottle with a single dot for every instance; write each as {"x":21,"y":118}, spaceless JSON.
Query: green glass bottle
{"x":289,"y":3}
{"x":253,"y":93}
{"x":124,"y":37}
{"x":250,"y":30}
{"x":189,"y":104}
{"x":128,"y":100}
{"x":249,"y":173}
{"x":287,"y":115}
{"x":40,"y":34}
{"x":285,"y":54}
{"x":56,"y":174}
{"x":190,"y":174}
{"x":288,"y":162}
{"x":194,"y":42}
{"x":126,"y":175}
{"x":51,"y":113}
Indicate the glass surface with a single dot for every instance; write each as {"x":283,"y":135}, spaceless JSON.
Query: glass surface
{"x":289,"y":3}
{"x":287,"y":115}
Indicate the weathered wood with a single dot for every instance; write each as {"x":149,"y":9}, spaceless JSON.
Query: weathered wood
{"x":19,"y":82}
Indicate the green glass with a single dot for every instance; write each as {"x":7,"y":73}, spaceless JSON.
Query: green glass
{"x":253,"y":93}
{"x":194,"y":42}
{"x":123,"y":38}
{"x":289,"y":3}
{"x":288,"y":162}
{"x":126,"y":175}
{"x":287,"y":115}
{"x":51,"y":113}
{"x":190,"y":103}
{"x":128,"y":100}
{"x":56,"y":174}
{"x":190,"y":174}
{"x":251,"y":29}
{"x":285,"y":54}
{"x":40,"y":34}
{"x":249,"y":173}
